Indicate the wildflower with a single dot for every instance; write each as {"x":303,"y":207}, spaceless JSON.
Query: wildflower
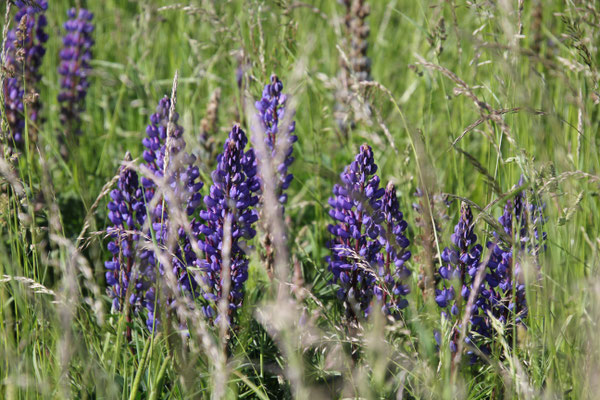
{"x":180,"y":169}
{"x":24,"y":54}
{"x":232,"y":198}
{"x":181,"y":176}
{"x":272,"y":111}
{"x":74,"y":68}
{"x":395,"y":244}
{"x":461,"y":264}
{"x":279,"y":147}
{"x":521,"y":221}
{"x":368,"y":237}
{"x":156,"y":140}
{"x":127,"y":213}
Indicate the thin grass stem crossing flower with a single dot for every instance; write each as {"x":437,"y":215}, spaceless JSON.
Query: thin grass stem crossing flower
{"x":232,"y":200}
{"x":368,"y":247}
{"x":273,"y":113}
{"x":522,"y":221}
{"x":172,"y":188}
{"x":461,"y":262}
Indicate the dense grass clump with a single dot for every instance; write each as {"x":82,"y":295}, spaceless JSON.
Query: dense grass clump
{"x":354,"y":199}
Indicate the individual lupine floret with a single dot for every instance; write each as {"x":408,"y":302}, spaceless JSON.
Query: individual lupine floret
{"x":24,"y":54}
{"x":272,"y":112}
{"x":232,"y":200}
{"x":74,"y":68}
{"x":522,"y":218}
{"x":461,"y":264}
{"x":364,"y":226}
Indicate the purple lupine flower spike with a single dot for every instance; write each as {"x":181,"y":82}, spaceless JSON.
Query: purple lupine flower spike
{"x":156,"y":140}
{"x":272,"y":112}
{"x":522,"y":221}
{"x":74,"y":68}
{"x":127,"y":213}
{"x":24,"y":54}
{"x":460,"y":265}
{"x":181,"y":170}
{"x":356,"y":208}
{"x":232,"y":196}
{"x":277,"y":130}
{"x":396,"y":254}
{"x":183,"y":178}
{"x":365,"y":225}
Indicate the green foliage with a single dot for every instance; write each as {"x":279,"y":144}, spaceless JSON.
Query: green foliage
{"x":471,"y":95}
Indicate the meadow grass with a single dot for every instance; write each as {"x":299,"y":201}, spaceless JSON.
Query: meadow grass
{"x":522,"y":71}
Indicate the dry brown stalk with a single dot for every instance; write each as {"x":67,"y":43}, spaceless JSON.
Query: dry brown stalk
{"x":356,"y":66}
{"x":209,"y":128}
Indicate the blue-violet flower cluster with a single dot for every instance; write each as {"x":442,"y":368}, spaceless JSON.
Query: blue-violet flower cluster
{"x":74,"y":68}
{"x":272,"y":112}
{"x":368,"y":238}
{"x":24,"y":54}
{"x":182,"y":190}
{"x":127,"y":213}
{"x":521,"y":221}
{"x":501,"y":294}
{"x":231,"y":201}
{"x":461,"y":262}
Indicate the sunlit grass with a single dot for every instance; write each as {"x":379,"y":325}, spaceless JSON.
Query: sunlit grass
{"x":538,"y":105}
